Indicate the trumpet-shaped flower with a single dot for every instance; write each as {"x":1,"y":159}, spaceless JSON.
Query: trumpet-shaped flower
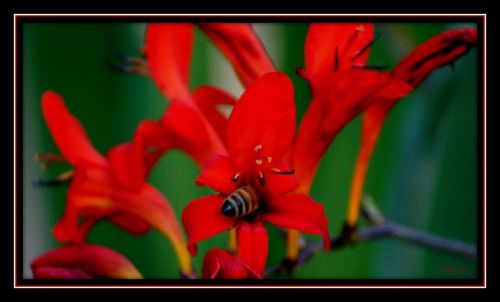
{"x":259,"y":132}
{"x":110,"y":188}
{"x":439,"y":51}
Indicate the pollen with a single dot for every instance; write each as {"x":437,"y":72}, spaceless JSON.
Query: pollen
{"x":258,"y":161}
{"x":269,"y":159}
{"x":258,"y":148}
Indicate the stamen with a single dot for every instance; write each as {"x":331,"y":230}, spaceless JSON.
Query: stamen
{"x":236,"y":177}
{"x":128,"y":64}
{"x":262,"y":180}
{"x":59,"y":180}
{"x":258,"y":161}
{"x":352,"y":38}
{"x":48,"y":159}
{"x":373,"y":67}
{"x":278,"y":171}
{"x":269,"y":159}
{"x":366,"y":47}
{"x":258,"y":148}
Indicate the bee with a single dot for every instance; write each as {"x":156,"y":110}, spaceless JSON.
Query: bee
{"x":241,"y":202}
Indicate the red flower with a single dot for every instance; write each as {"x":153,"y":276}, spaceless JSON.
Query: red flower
{"x":259,"y":132}
{"x":114,"y":187}
{"x":110,"y":188}
{"x":413,"y":69}
{"x":342,"y":88}
{"x":194,"y":116}
{"x":83,"y":261}
{"x":219,"y":264}
{"x":335,"y":56}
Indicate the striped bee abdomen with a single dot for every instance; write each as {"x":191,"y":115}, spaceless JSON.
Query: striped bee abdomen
{"x":241,"y":202}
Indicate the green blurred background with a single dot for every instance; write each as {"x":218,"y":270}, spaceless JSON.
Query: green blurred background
{"x":423,"y":172}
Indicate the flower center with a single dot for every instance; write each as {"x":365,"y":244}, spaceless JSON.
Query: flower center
{"x":246,"y":199}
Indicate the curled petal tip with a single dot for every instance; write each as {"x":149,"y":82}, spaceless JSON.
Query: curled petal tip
{"x":68,"y":133}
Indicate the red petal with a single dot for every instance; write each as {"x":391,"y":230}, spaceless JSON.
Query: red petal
{"x":265,"y":116}
{"x":131,"y":224}
{"x":202,"y":219}
{"x":59,"y":273}
{"x":191,"y":132}
{"x":299,"y":212}
{"x":68,"y":133}
{"x":69,"y":230}
{"x":325,"y":42}
{"x":212,"y":266}
{"x":278,"y":184}
{"x":94,"y":195}
{"x":217,"y":174}
{"x":208,"y":99}
{"x":131,"y":162}
{"x":223,"y":265}
{"x":168,"y":51}
{"x":242,"y":47}
{"x":335,"y":103}
{"x":436,"y":52}
{"x":253,"y":244}
{"x":89,"y":259}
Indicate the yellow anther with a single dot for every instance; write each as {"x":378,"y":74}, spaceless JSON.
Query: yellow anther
{"x":258,"y":161}
{"x":258,"y":148}
{"x":269,"y":159}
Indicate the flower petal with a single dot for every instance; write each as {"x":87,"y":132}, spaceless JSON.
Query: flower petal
{"x":82,"y":261}
{"x":299,"y":212}
{"x":202,"y":219}
{"x":168,"y":49}
{"x":335,"y":103}
{"x":278,"y":184}
{"x":132,"y":162}
{"x":242,"y":47}
{"x":68,"y":133}
{"x":94,"y":195}
{"x":219,"y":264}
{"x":217,"y":174}
{"x":190,"y":131}
{"x":253,"y":244}
{"x":265,"y":116}
{"x":59,"y":273}
{"x":131,"y":223}
{"x":208,"y":99}
{"x":339,"y":46}
{"x":441,"y":50}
